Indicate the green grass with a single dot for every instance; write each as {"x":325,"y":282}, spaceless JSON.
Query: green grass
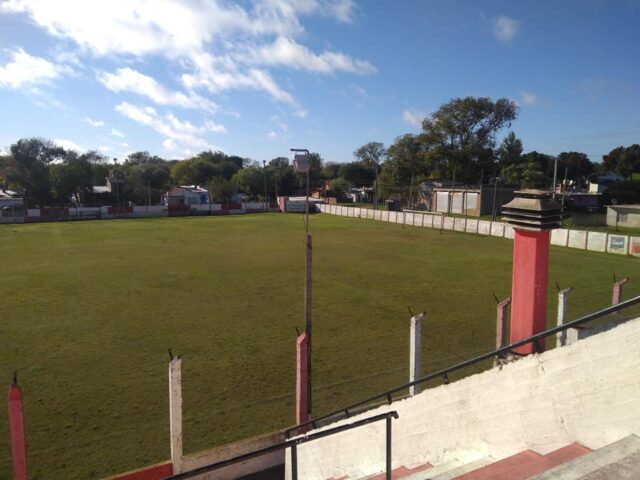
{"x":90,"y":308}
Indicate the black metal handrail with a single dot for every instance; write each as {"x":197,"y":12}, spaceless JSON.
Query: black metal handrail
{"x":293,"y":444}
{"x":346,"y":412}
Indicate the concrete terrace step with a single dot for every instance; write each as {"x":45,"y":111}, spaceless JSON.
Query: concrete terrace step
{"x":400,"y":472}
{"x":449,"y":470}
{"x":455,"y":472}
{"x":525,"y":465}
{"x":618,"y":460}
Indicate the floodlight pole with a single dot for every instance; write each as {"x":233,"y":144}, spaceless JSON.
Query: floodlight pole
{"x":307,"y":286}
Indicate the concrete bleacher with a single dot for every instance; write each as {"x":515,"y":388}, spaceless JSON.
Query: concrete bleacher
{"x":571,"y":409}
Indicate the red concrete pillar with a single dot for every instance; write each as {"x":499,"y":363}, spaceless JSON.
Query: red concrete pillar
{"x":529,"y":286}
{"x":16,"y":426}
{"x":302,"y":392}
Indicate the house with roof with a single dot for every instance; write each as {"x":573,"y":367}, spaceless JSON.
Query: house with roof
{"x":186,"y":195}
{"x":11,"y":203}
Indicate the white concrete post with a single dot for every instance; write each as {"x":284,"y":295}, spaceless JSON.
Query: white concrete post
{"x":566,"y":337}
{"x":415,"y":351}
{"x":175,"y":412}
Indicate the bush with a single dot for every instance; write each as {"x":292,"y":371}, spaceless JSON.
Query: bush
{"x":622,"y":193}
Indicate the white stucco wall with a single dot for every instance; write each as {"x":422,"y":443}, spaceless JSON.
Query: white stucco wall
{"x":588,"y":392}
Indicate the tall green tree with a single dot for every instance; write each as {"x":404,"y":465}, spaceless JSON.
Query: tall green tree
{"x":404,"y":167}
{"x":221,"y":189}
{"x":251,"y":181}
{"x":460,"y":135}
{"x":610,"y":160}
{"x":330,"y":170}
{"x":73,"y":177}
{"x":629,"y":161}
{"x":31,"y":160}
{"x":356,"y":173}
{"x":284,"y":178}
{"x":577,"y":165}
{"x":371,"y":154}
{"x":147,"y":181}
{"x":510,"y":150}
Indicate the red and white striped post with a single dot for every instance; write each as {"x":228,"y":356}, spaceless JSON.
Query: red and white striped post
{"x":16,"y":426}
{"x":533,"y":213}
{"x":302,"y":391}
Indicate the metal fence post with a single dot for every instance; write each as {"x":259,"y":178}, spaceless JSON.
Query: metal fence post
{"x":294,"y":462}
{"x":502,"y":318}
{"x":617,"y":291}
{"x":388,"y":467}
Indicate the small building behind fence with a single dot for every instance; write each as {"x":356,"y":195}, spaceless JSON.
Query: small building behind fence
{"x":186,"y":195}
{"x":11,"y":204}
{"x":623,"y":216}
{"x":474,"y":201}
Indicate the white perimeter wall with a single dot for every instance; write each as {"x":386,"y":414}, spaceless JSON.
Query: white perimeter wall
{"x":587,"y":392}
{"x":582,"y":239}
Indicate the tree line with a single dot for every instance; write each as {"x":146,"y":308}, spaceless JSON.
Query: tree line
{"x":457,"y":142}
{"x":49,"y":175}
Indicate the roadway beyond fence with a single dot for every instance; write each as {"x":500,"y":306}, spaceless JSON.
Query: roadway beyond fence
{"x":563,"y":237}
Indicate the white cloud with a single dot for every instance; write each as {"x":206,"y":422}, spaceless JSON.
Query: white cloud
{"x":170,"y":145}
{"x":272,"y":135}
{"x":287,"y":52}
{"x":413,"y":117}
{"x":170,"y":126}
{"x":94,"y":123}
{"x":528,"y":99}
{"x":342,"y":10}
{"x":218,"y":45}
{"x":68,"y":145}
{"x":25,"y":69}
{"x":216,"y":81}
{"x":505,"y":28}
{"x":117,"y":133}
{"x":129,"y":80}
{"x":105,"y":149}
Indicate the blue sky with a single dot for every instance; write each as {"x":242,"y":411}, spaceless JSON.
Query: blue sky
{"x":254,"y":78}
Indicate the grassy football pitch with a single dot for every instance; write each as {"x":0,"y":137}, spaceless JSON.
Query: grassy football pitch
{"x":89,"y":310}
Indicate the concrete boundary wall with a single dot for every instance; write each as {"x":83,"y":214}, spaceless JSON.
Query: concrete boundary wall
{"x":586,"y":392}
{"x":562,"y":237}
{"x":597,"y":241}
{"x":35,"y":215}
{"x":225,"y":452}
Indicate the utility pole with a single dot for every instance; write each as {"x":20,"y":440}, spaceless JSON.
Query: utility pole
{"x":275,"y":181}
{"x":555,"y":175}
{"x":264,"y":173}
{"x":564,"y":192}
{"x":302,"y":164}
{"x":495,"y":194}
{"x":453,"y":191}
